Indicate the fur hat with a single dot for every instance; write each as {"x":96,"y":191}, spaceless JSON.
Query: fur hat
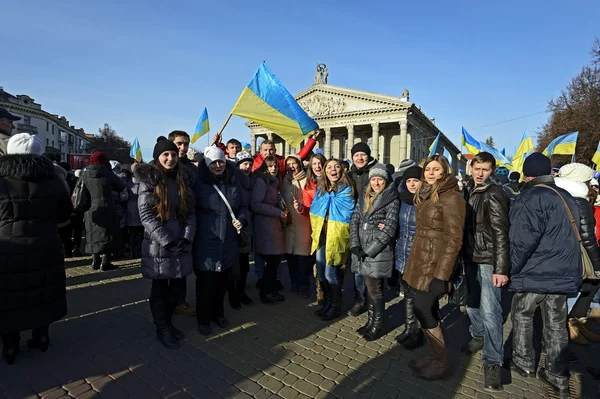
{"x":163,"y":145}
{"x":379,"y":170}
{"x":577,"y":172}
{"x":212,"y":154}
{"x":24,"y":143}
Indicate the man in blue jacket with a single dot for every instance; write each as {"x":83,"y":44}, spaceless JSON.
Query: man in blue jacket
{"x":546,"y":268}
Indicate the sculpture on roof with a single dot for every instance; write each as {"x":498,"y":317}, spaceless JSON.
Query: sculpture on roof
{"x":322,"y":74}
{"x":405,"y":94}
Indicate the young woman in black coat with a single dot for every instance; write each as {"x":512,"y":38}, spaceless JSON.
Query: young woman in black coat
{"x":33,"y":201}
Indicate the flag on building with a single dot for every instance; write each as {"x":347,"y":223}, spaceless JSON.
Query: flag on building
{"x":202,"y":127}
{"x":267,"y":102}
{"x":525,"y":148}
{"x":136,"y":150}
{"x":596,"y":157}
{"x":562,"y":145}
{"x":434,"y":145}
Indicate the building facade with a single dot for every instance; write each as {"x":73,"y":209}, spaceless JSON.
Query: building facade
{"x":55,"y":132}
{"x":394,"y":127}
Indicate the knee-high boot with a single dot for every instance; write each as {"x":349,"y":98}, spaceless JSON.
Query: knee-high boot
{"x":376,"y":330}
{"x":326,"y":289}
{"x":412,"y":336}
{"x":439,"y":366}
{"x":158,"y":307}
{"x":363,"y":330}
{"x":106,"y":265}
{"x":241,"y":286}
{"x":40,"y":338}
{"x":96,"y":261}
{"x":335,"y":310}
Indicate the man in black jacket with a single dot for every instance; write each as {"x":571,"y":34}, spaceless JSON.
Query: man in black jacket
{"x":546,"y":265}
{"x":487,"y":252}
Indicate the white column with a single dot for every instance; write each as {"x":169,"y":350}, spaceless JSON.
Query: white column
{"x":270,"y":136}
{"x":286,"y":149}
{"x":350,"y":142}
{"x":375,"y":144}
{"x":403,"y":139}
{"x":408,"y":146}
{"x":327,"y":148}
{"x":382,"y":148}
{"x":253,"y":144}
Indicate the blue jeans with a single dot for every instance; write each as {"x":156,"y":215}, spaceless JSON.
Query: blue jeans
{"x":259,"y":267}
{"x":324,"y":271}
{"x":486,"y":320}
{"x":359,"y":289}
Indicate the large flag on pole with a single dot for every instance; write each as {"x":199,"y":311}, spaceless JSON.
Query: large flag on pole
{"x":433,"y":147}
{"x":596,"y":157}
{"x":136,"y":150}
{"x":267,"y":102}
{"x":525,"y":148}
{"x":202,"y":127}
{"x":562,"y":145}
{"x":475,"y":147}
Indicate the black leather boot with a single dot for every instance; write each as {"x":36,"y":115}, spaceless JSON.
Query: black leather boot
{"x":96,"y":261}
{"x":171,"y":305}
{"x":234,"y":299}
{"x":335,"y":310}
{"x":10,"y":347}
{"x":105,"y":265}
{"x":325,"y":287}
{"x":39,"y":339}
{"x":362,"y":330}
{"x":158,"y":307}
{"x":376,"y":330}
{"x":412,"y":336}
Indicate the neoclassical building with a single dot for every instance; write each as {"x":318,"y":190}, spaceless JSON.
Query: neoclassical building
{"x":394,"y":127}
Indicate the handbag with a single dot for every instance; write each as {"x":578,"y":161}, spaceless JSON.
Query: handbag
{"x":586,"y":262}
{"x":459,"y":291}
{"x":81,"y":198}
{"x":243,"y":236}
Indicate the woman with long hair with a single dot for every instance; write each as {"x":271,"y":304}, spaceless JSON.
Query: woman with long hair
{"x":267,"y":218}
{"x":222,"y":212}
{"x":440,"y":221}
{"x":372,"y":234}
{"x":412,"y":336}
{"x":166,"y":206}
{"x":296,"y":236}
{"x":330,"y":215}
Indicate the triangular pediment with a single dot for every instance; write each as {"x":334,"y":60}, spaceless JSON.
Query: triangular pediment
{"x":325,"y":101}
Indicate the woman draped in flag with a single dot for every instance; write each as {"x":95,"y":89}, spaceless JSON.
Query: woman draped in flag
{"x":330,"y":214}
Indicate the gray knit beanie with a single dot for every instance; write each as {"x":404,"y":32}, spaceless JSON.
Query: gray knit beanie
{"x":379,"y":170}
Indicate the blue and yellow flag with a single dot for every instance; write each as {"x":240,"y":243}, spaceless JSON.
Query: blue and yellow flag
{"x":562,"y":145}
{"x":246,"y":146}
{"x":202,"y":127}
{"x":475,"y":147}
{"x":268,"y":103}
{"x":136,"y":150}
{"x":338,"y":207}
{"x":434,"y":145}
{"x":525,"y":148}
{"x":596,"y":158}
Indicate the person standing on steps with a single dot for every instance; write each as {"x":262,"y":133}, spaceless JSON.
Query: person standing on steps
{"x":440,"y":222}
{"x":166,"y":206}
{"x":102,"y":225}
{"x":330,"y":215}
{"x":412,"y":336}
{"x":362,"y":162}
{"x":32,"y":262}
{"x":487,"y":255}
{"x":372,"y":232}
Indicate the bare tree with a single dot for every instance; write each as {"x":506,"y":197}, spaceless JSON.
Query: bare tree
{"x":113,"y":145}
{"x":490,"y":141}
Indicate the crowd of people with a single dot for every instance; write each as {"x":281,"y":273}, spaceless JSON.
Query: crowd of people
{"x":535,"y":240}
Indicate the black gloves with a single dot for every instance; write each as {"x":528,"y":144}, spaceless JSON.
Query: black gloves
{"x":358,"y":251}
{"x":177,"y":247}
{"x":438,"y":287}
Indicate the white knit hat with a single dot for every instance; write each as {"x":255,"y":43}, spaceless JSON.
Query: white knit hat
{"x":212,"y":154}
{"x":24,"y":143}
{"x":594,"y":182}
{"x":577,"y":172}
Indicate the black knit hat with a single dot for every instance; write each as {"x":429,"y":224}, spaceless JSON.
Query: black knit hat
{"x":162,"y":145}
{"x":361,"y":147}
{"x":414,"y":172}
{"x":537,"y":164}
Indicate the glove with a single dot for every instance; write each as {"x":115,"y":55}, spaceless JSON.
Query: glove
{"x":172,"y":246}
{"x":438,"y":287}
{"x":356,"y":251}
{"x":362,"y":254}
{"x":183,"y":243}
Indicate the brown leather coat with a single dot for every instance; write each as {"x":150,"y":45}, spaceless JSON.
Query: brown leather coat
{"x":439,"y":237}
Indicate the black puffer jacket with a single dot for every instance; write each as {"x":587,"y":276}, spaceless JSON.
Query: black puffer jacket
{"x":486,"y":226}
{"x":365,"y":234}
{"x":587,"y":226}
{"x":32,"y":272}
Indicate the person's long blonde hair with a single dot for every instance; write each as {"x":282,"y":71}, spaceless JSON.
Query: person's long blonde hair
{"x":433,"y":195}
{"x":326,"y":186}
{"x":370,"y":199}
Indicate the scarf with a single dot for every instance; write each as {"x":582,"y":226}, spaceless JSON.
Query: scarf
{"x":407,"y":197}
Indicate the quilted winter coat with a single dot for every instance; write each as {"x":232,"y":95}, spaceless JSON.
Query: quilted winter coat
{"x":33,"y":201}
{"x":365,"y":234}
{"x":159,"y":262}
{"x":407,"y":230}
{"x":439,"y":236}
{"x":296,"y":236}
{"x":264,"y":202}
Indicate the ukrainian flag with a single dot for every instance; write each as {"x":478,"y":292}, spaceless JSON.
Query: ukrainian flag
{"x":596,"y":157}
{"x":562,"y":145}
{"x":472,"y":145}
{"x":525,"y":148}
{"x":202,"y":127}
{"x":338,"y":208}
{"x":246,"y":147}
{"x":268,"y":103}
{"x":136,"y":150}
{"x":434,"y":145}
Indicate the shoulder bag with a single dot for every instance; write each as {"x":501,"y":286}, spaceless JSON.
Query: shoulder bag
{"x":81,"y":199}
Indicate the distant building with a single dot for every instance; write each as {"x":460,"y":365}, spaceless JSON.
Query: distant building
{"x":394,"y":127}
{"x":54,"y":131}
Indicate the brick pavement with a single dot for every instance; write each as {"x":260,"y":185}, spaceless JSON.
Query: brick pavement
{"x":106,"y":348}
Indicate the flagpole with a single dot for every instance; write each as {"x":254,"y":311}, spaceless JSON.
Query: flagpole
{"x":225,"y":124}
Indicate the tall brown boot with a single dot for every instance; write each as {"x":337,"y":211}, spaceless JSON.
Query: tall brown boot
{"x":439,"y":367}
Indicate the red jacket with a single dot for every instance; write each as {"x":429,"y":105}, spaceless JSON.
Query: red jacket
{"x":303,"y":154}
{"x":597,"y":217}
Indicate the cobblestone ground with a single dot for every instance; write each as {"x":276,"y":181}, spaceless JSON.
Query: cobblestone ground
{"x":106,"y":347}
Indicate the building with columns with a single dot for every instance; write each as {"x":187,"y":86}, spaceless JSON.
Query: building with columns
{"x":394,"y":127}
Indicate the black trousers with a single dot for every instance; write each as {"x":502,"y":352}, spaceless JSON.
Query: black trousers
{"x":77,"y":224}
{"x":374,"y":287}
{"x":427,"y":309}
{"x":210,"y":293}
{"x":269,"y":278}
{"x":65,"y":234}
{"x":167,"y":289}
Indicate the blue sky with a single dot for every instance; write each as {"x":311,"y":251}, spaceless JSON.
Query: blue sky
{"x":149,"y":67}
